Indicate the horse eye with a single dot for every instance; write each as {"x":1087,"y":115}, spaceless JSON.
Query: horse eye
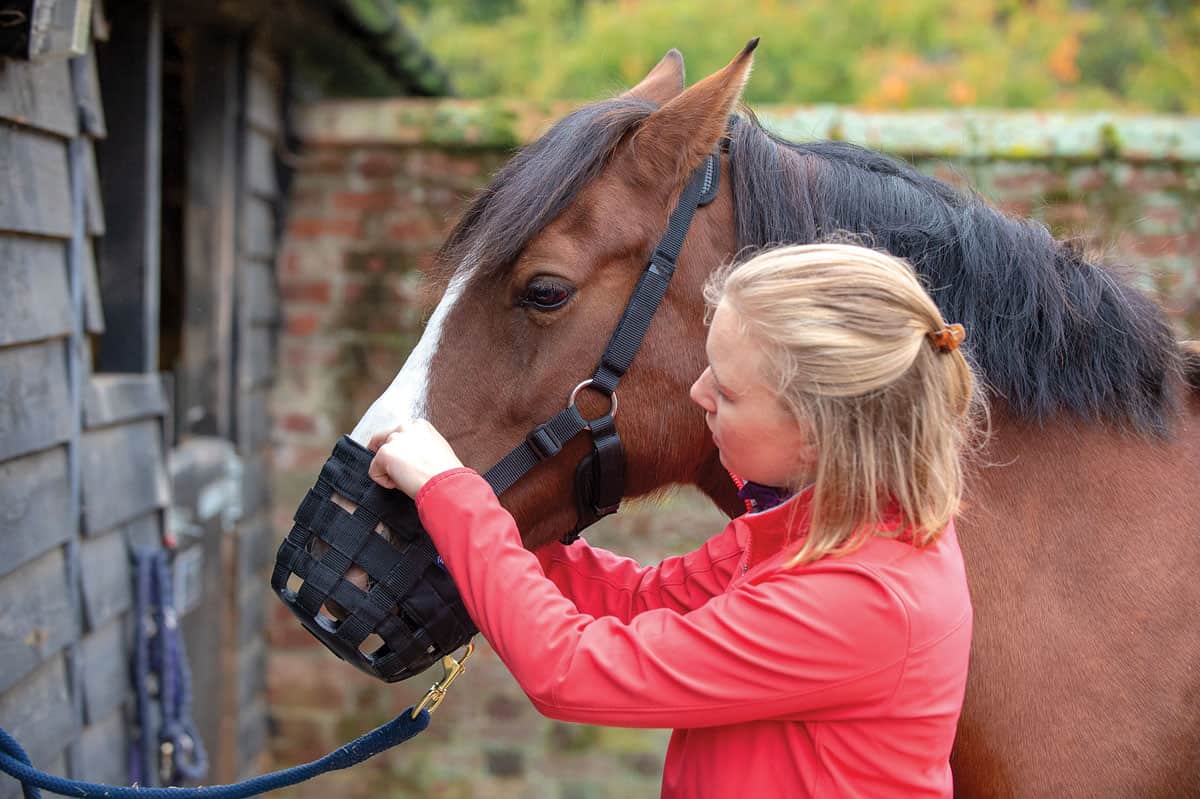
{"x":545,"y":295}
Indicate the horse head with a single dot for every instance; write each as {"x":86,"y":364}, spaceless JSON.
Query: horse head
{"x":536,"y":275}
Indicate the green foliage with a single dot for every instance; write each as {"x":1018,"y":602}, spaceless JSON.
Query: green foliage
{"x":1132,"y":54}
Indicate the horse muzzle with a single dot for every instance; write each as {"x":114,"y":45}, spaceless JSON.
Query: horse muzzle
{"x":409,"y":614}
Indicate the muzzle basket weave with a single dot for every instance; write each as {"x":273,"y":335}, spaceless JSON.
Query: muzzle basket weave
{"x":411,"y":603}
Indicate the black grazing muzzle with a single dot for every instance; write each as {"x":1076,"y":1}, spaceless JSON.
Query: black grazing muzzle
{"x":410,"y":604}
{"x":411,"y":614}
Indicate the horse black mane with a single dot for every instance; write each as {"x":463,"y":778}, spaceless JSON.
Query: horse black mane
{"x":1050,"y":331}
{"x":538,"y":184}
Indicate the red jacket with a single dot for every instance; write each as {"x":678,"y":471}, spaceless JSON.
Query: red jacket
{"x":839,"y":678}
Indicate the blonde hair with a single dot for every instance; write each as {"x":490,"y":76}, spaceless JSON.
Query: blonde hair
{"x":846,"y":333}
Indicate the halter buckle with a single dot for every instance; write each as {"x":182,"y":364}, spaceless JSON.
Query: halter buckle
{"x":451,"y":668}
{"x":543,"y":441}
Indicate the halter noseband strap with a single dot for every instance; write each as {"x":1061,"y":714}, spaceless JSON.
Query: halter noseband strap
{"x":600,"y":477}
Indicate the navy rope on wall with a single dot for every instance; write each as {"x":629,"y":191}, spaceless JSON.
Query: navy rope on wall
{"x":158,"y":650}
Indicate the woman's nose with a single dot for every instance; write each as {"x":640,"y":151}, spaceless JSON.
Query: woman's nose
{"x":699,"y":393}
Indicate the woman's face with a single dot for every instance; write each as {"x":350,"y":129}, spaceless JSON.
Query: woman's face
{"x":758,"y":437}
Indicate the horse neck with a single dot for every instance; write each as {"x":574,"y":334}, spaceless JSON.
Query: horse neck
{"x":1081,"y":494}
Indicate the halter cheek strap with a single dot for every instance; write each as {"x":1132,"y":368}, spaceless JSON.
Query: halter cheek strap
{"x":600,"y":476}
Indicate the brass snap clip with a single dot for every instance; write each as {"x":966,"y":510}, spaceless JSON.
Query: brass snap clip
{"x":451,"y":668}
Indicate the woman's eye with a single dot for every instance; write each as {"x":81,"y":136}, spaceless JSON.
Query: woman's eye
{"x":544,"y":295}
{"x":717,"y":390}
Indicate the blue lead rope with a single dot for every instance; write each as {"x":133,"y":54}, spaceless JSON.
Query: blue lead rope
{"x":158,"y":649}
{"x":14,"y":762}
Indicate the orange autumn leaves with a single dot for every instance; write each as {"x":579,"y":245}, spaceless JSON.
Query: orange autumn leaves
{"x":1137,"y":55}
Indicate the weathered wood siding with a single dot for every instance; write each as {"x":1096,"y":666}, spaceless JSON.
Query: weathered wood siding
{"x":41,"y":624}
{"x":64,"y":644}
{"x":260,"y":190}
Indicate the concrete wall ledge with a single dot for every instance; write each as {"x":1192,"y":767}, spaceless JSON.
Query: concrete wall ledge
{"x":969,"y":133}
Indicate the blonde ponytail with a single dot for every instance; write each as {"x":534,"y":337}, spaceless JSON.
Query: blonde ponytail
{"x":860,"y":353}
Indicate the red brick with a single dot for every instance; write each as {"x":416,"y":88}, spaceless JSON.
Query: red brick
{"x":1166,"y":215}
{"x":323,"y":161}
{"x":1017,"y":208}
{"x":317,"y":227}
{"x":299,"y":737}
{"x":419,"y":229}
{"x":302,"y":323}
{"x":379,"y":165}
{"x":379,"y":200}
{"x":309,"y":199}
{"x":289,"y":260}
{"x":298,"y":423}
{"x":1165,"y":245}
{"x":307,"y":291}
{"x":302,"y":354}
{"x":1149,"y":178}
{"x":1034,"y":180}
{"x":284,"y":632}
{"x":466,"y":167}
{"x":301,"y":679}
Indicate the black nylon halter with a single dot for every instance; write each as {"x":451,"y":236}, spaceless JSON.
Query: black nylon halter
{"x":600,"y":477}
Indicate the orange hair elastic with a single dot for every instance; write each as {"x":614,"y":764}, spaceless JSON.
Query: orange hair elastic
{"x":948,"y":338}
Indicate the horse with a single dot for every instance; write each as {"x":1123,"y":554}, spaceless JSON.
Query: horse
{"x":1081,"y":523}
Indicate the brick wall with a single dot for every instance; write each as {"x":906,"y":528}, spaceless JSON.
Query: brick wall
{"x":378,"y":187}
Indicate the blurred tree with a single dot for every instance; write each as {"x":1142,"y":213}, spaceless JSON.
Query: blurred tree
{"x":1135,"y":54}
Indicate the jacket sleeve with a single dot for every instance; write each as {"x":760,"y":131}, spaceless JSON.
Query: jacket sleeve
{"x":822,"y":643}
{"x":602,"y":583}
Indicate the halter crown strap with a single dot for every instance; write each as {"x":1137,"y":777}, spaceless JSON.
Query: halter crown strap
{"x":547,"y":439}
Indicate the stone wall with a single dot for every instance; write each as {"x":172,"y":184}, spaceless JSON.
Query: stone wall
{"x":379,"y":185}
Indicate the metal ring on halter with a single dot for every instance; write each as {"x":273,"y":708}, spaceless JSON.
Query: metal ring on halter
{"x":575,"y":393}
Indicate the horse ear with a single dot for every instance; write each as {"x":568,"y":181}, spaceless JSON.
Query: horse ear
{"x":663,"y":82}
{"x":676,"y":137}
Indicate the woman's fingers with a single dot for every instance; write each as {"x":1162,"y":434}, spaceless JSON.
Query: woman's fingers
{"x":378,"y":473}
{"x":381,"y":437}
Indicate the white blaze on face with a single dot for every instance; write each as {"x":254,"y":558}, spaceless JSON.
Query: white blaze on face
{"x":407,"y":397}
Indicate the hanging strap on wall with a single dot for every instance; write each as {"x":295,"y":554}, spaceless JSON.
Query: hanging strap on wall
{"x":165,"y":743}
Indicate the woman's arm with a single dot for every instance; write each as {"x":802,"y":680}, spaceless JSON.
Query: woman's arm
{"x":602,"y":583}
{"x":830,"y":643}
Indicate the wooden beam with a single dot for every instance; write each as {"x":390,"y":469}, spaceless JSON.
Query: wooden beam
{"x":39,"y":96}
{"x":35,"y":406}
{"x":130,"y":159}
{"x":107,"y":582}
{"x":33,"y":284}
{"x":37,"y":617}
{"x":36,"y":519}
{"x":37,"y":712}
{"x":205,"y":391}
{"x":113,"y":398}
{"x":124,"y":475}
{"x":35,"y":188}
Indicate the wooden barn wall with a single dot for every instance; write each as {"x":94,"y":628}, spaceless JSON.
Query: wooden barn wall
{"x":76,"y":473}
{"x":262,"y":129}
{"x":88,"y":472}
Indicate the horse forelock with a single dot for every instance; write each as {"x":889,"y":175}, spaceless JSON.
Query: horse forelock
{"x":538,"y":184}
{"x":1049,"y":331}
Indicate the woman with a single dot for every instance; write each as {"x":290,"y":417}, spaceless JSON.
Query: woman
{"x":816,"y":647}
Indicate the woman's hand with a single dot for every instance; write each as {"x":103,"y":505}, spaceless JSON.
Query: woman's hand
{"x":408,"y":455}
